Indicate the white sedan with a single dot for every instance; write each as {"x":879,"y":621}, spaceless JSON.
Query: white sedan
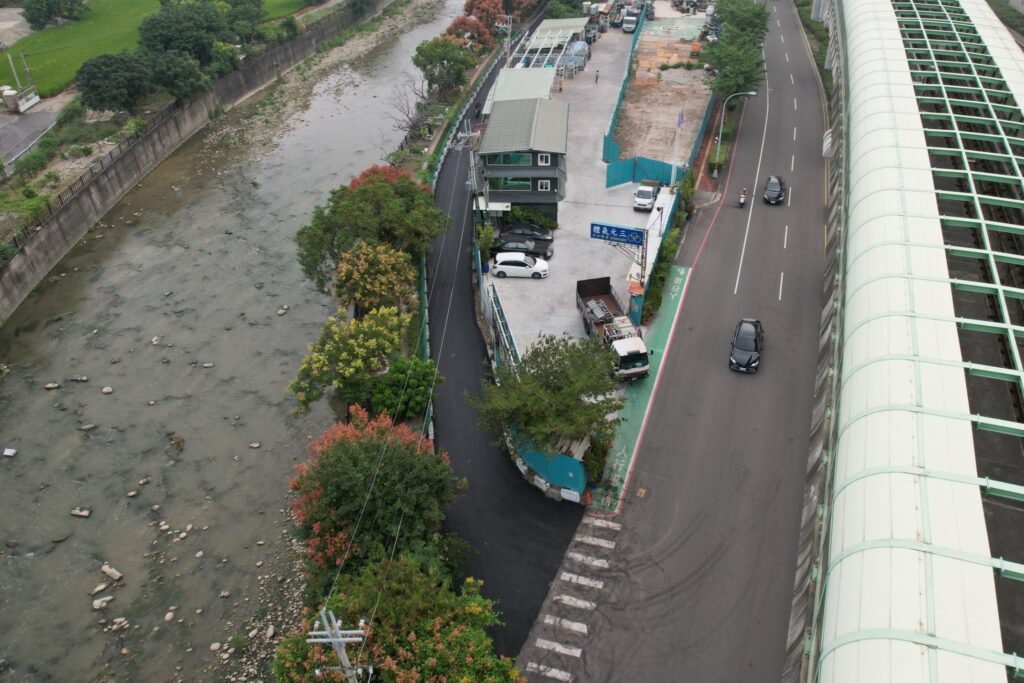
{"x":514,"y":264}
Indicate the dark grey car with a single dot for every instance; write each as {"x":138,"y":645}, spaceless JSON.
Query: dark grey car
{"x":534,"y":232}
{"x":775,"y":190}
{"x":747,"y":344}
{"x":524,"y":245}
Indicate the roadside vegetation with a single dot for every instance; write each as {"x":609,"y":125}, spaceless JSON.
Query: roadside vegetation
{"x":817,"y":37}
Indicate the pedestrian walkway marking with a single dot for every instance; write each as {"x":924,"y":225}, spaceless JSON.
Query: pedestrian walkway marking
{"x":603,"y":523}
{"x":592,"y":540}
{"x":582,"y":580}
{"x":587,"y":559}
{"x":568,"y":625}
{"x":574,"y":602}
{"x":548,"y":671}
{"x":559,"y":648}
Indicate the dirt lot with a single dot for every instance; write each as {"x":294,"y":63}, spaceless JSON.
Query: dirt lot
{"x":647,"y":120}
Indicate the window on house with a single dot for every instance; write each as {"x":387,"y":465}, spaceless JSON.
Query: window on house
{"x":543,"y":159}
{"x":509,"y":183}
{"x":543,"y":186}
{"x":510,"y":159}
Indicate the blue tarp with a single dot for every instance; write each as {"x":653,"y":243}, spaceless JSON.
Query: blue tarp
{"x":558,"y":470}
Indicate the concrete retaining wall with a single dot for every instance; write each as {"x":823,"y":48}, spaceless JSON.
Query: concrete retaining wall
{"x":67,"y":223}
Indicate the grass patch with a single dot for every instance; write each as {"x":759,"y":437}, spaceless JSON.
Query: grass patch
{"x":277,"y":9}
{"x":817,"y":36}
{"x":54,"y":54}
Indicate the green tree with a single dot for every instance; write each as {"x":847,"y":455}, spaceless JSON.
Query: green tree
{"x":746,"y":18}
{"x":187,"y":26}
{"x":39,"y":13}
{"x":405,"y":390}
{"x":348,"y":354}
{"x":411,"y":487}
{"x":373,"y":275}
{"x":740,"y":66}
{"x":244,"y":17}
{"x":379,"y":206}
{"x":178,"y":73}
{"x":421,"y":631}
{"x":114,"y":82}
{"x":443,"y":63}
{"x":562,"y":388}
{"x":225,"y":59}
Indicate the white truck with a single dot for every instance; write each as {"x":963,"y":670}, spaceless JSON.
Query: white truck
{"x":604,"y":320}
{"x":645,"y":195}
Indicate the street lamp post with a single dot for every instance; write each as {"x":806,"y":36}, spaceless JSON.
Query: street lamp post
{"x":721,"y":126}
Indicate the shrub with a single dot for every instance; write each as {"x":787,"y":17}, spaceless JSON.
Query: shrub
{"x":656,"y":286}
{"x":51,"y":178}
{"x":134,"y":126}
{"x":31,"y":164}
{"x":28,"y":193}
{"x":7,"y":250}
{"x":78,"y":151}
{"x":404,"y":391}
{"x":72,"y":111}
{"x":290,"y":27}
{"x":519,"y":214}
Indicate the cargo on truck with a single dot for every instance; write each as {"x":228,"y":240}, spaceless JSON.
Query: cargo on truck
{"x":604,"y":320}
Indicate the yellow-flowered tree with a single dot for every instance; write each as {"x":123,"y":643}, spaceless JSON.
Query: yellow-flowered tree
{"x":371,"y":276}
{"x":349,"y":354}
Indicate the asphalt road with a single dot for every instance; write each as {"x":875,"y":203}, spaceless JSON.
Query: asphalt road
{"x":703,"y":569}
{"x":517,"y":536}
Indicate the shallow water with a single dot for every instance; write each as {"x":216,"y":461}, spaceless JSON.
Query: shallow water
{"x":173,"y":303}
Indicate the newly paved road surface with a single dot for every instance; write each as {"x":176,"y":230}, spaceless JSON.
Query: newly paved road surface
{"x":517,"y":536}
{"x":692,"y":581}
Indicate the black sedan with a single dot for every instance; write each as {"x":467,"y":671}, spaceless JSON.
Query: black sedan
{"x":524,"y":245}
{"x":747,"y":343}
{"x":775,"y":190}
{"x":534,"y":232}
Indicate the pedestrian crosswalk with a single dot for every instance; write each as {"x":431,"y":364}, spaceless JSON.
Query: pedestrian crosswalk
{"x":558,"y":639}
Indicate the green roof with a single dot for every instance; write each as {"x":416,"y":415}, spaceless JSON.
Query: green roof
{"x":521,"y":125}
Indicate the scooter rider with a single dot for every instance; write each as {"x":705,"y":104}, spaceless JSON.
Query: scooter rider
{"x":743,"y":197}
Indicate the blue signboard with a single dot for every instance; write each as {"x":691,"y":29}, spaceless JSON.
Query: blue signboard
{"x":617,"y":233}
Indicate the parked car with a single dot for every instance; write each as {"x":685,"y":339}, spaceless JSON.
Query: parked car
{"x":514,"y":264}
{"x":775,"y":190}
{"x":746,"y":346}
{"x":629,"y":25}
{"x":643,"y":198}
{"x":524,"y":245}
{"x":534,"y":232}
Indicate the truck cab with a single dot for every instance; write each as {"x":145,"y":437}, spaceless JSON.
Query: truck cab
{"x":629,"y":24}
{"x":645,"y":195}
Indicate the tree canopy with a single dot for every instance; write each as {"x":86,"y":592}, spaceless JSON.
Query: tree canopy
{"x":39,"y":13}
{"x":114,"y":82}
{"x":373,"y":275}
{"x":383,"y":206}
{"x":189,"y":26}
{"x":562,"y":388}
{"x":737,"y":55}
{"x":443,"y":63}
{"x":178,"y":73}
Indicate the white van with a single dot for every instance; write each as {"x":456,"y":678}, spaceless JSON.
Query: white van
{"x":629,"y":25}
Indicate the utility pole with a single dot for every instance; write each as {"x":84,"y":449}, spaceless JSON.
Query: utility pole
{"x":506,"y":26}
{"x":675,"y":148}
{"x":337,"y":638}
{"x":28,"y":74}
{"x":17,"y":81}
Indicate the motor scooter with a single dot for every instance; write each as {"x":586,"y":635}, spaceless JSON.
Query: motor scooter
{"x":743,"y":200}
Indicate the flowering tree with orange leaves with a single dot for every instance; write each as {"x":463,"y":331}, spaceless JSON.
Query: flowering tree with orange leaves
{"x":411,"y":485}
{"x":488,"y":12}
{"x":470,"y":30}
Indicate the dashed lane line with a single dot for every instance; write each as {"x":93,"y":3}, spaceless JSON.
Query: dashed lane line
{"x":574,"y":602}
{"x":567,"y":624}
{"x":581,"y":580}
{"x":603,"y":523}
{"x":558,"y":647}
{"x":549,"y":672}
{"x":587,"y":559}
{"x":600,"y":542}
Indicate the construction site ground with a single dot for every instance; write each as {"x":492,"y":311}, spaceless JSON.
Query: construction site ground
{"x":649,"y":114}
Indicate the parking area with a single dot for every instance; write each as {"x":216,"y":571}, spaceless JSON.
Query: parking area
{"x":535,"y":307}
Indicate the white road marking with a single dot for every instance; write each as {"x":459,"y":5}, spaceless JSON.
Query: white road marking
{"x":785,"y":237}
{"x":781,"y":277}
{"x":782,"y":37}
{"x":792,"y":160}
{"x":600,"y":542}
{"x":581,"y":580}
{"x":794,"y":104}
{"x":603,"y":523}
{"x":789,"y":197}
{"x":574,"y":602}
{"x":787,"y":57}
{"x":757,"y":175}
{"x":586,"y":559}
{"x":568,"y":625}
{"x":547,"y":671}
{"x":794,"y":133}
{"x":778,"y":23}
{"x":791,"y":81}
{"x":559,"y":648}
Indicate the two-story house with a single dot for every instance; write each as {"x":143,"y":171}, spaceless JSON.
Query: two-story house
{"x":521,"y":159}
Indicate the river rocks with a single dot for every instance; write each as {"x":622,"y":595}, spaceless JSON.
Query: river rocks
{"x":79,"y":378}
{"x":99,"y":588}
{"x":155,"y":341}
{"x":255,"y":444}
{"x":143,"y":481}
{"x":169,"y":616}
{"x":10,"y":452}
{"x":214,"y":647}
{"x":207,"y":365}
{"x":225,"y":594}
{"x":199,"y":554}
{"x":132,"y":494}
{"x":269,"y":635}
{"x":101,"y":603}
{"x":88,"y":427}
{"x":252,"y":633}
{"x":281,"y":311}
{"x":107,"y":390}
{"x":111,"y":572}
{"x":80,"y":512}
{"x":50,"y":386}
{"x":259,"y":564}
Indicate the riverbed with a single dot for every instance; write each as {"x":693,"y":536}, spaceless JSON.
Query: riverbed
{"x":171,"y":333}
